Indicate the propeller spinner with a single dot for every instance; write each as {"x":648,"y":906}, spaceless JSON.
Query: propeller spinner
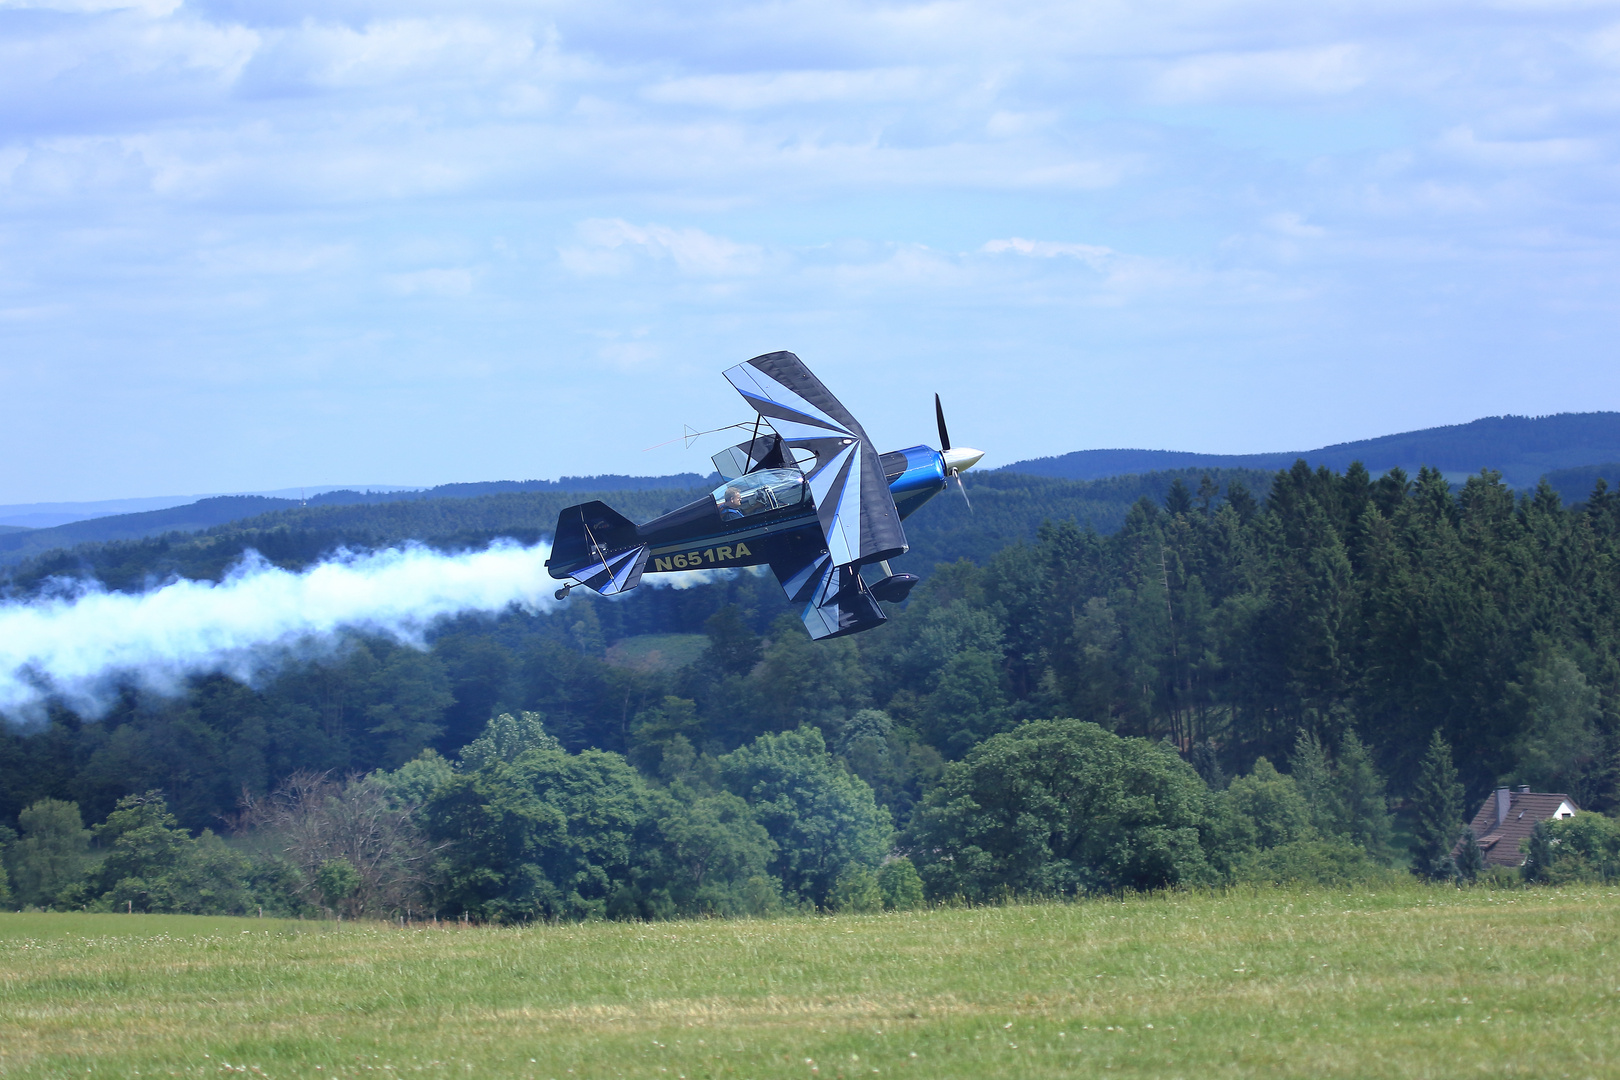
{"x":956,"y":458}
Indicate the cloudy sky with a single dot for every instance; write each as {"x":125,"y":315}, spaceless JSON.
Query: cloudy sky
{"x":251,"y":245}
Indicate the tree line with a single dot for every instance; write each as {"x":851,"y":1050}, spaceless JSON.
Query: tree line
{"x":1311,"y":643}
{"x":518,"y":829}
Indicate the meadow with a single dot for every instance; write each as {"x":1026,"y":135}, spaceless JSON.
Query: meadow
{"x":1405,"y":981}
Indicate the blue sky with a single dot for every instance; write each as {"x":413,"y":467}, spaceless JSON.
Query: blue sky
{"x":252,"y":246}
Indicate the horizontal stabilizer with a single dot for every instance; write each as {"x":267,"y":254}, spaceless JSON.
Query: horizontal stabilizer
{"x":615,"y":573}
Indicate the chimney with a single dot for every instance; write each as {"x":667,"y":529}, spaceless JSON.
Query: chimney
{"x":1524,"y":789}
{"x":1504,"y":799}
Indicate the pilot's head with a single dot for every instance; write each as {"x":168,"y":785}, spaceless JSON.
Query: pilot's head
{"x":734,"y":498}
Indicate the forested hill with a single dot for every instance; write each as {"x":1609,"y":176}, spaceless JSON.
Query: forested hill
{"x":1006,"y":507}
{"x":1521,"y":448}
{"x":205,"y":513}
{"x":1574,"y":485}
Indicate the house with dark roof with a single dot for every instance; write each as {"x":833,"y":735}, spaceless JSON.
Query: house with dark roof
{"x":1508,"y":817}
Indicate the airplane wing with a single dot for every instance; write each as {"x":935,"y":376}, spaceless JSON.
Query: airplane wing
{"x":833,"y":600}
{"x":857,"y":513}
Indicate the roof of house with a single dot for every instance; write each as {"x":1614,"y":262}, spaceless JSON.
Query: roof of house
{"x":1500,"y":838}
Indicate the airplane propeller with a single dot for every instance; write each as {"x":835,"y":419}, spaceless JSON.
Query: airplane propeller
{"x":963,"y":457}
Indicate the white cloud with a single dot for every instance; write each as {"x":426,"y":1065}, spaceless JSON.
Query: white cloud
{"x":388,"y":52}
{"x":1092,"y":255}
{"x":608,"y":245}
{"x":1519,"y":153}
{"x":149,"y":8}
{"x":445,"y":281}
{"x":1294,"y":225}
{"x":278,"y":259}
{"x":1265,"y":75}
{"x":764,"y":90}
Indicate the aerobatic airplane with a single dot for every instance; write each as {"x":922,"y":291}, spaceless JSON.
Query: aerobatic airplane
{"x":807,"y":494}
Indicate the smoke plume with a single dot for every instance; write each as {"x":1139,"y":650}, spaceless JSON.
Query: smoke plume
{"x":80,"y":647}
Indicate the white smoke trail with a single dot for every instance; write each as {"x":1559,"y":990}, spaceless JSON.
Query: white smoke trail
{"x":81,"y":647}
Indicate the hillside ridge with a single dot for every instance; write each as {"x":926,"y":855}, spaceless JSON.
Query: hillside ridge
{"x":1522,"y":448}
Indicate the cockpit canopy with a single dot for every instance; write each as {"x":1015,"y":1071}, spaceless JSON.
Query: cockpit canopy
{"x":761,"y":492}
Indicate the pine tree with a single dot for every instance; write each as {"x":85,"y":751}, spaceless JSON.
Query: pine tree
{"x":1437,"y":802}
{"x":1538,"y":854}
{"x":1313,"y":774}
{"x":1361,"y":793}
{"x":1207,"y":764}
{"x":1471,"y":858}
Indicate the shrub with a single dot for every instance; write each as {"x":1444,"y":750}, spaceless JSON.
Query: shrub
{"x":856,"y":890}
{"x":1062,"y":807}
{"x":900,"y":884}
{"x":1332,"y":861}
{"x":1269,"y":807}
{"x":52,"y":852}
{"x":367,"y":824}
{"x":822,"y":818}
{"x":337,"y":879}
{"x":714,"y":851}
{"x":1583,"y":848}
{"x":152,"y":865}
{"x":549,"y":835}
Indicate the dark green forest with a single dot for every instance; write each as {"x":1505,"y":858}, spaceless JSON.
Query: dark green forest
{"x":1057,"y":709}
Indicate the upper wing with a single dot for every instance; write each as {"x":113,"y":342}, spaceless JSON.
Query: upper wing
{"x":857,"y":512}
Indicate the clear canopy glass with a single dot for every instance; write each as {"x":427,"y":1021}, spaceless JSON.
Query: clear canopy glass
{"x":761,"y":492}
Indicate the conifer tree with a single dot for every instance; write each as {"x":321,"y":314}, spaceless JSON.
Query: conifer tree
{"x":1471,"y":858}
{"x":1437,"y":800}
{"x":1313,"y":775}
{"x":1207,"y":764}
{"x":1538,"y":854}
{"x":1361,"y":794}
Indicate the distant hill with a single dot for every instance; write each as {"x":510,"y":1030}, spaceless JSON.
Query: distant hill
{"x":50,"y":515}
{"x":190,"y":518}
{"x":1522,"y":448}
{"x":1575,"y":485}
{"x":207,"y":513}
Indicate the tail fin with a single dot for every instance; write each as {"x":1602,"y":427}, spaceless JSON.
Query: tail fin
{"x":586,"y":533}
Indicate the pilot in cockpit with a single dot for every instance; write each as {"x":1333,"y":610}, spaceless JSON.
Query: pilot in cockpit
{"x":732,"y":507}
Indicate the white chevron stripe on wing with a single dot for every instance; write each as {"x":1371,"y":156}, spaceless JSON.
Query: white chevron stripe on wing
{"x":848,"y":518}
{"x":835,"y":483}
{"x":751,"y":382}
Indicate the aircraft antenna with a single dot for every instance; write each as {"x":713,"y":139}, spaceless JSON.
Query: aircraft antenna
{"x":689,"y":436}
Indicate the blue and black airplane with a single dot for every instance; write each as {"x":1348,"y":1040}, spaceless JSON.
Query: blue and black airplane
{"x":808,"y":494}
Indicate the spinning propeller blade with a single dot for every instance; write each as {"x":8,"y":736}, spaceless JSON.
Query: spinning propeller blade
{"x":955,"y":460}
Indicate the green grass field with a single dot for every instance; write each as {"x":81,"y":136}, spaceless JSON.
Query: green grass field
{"x":1408,"y":981}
